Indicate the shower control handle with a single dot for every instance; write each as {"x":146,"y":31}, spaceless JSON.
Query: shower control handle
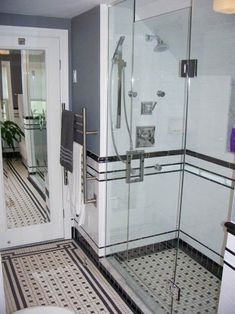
{"x":161,"y":93}
{"x":158,"y":167}
{"x":132,"y":94}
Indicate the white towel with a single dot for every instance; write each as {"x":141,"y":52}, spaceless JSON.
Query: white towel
{"x":75,"y":197}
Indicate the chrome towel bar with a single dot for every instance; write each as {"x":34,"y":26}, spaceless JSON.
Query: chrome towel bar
{"x":84,"y":133}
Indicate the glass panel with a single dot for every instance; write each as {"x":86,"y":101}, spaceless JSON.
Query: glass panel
{"x":121,"y":18}
{"x":161,"y":43}
{"x":214,"y":87}
{"x":141,"y":220}
{"x":23,"y":131}
{"x":208,"y":185}
{"x":147,"y":214}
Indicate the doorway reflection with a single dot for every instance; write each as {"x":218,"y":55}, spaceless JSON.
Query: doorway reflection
{"x":24,"y":136}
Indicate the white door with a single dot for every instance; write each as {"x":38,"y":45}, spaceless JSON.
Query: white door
{"x":34,"y":214}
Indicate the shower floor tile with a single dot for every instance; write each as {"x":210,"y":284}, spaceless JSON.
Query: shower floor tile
{"x":58,"y":274}
{"x":199,"y":288}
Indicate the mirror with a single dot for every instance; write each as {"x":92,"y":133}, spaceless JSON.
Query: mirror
{"x":24,"y":136}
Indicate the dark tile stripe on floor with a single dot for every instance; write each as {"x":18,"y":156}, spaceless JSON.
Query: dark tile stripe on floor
{"x":57,"y":273}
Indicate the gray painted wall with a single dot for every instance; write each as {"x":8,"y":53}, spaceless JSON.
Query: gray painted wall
{"x":34,"y":21}
{"x":86,"y":60}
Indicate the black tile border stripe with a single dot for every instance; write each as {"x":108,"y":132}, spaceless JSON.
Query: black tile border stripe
{"x":163,"y":165}
{"x":209,"y":171}
{"x":6,"y":251}
{"x":70,"y":248}
{"x":93,"y":241}
{"x":208,"y":158}
{"x":229,"y":265}
{"x":37,"y":188}
{"x":146,"y":175}
{"x":11,"y":285}
{"x":124,"y":242}
{"x":211,"y":180}
{"x":146,"y":155}
{"x":166,"y":172}
{"x":88,"y":279}
{"x":168,"y":153}
{"x":199,"y":257}
{"x":38,"y":252}
{"x":17,"y":283}
{"x":136,"y":168}
{"x":91,"y":254}
{"x":29,"y":192}
{"x":202,"y":259}
{"x":207,"y":247}
{"x":230,"y":227}
{"x":100,"y":287}
{"x":230,"y":251}
{"x":213,"y":160}
{"x":147,"y":237}
{"x":146,"y":250}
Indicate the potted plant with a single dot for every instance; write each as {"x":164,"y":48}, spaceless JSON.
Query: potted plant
{"x":10,"y":133}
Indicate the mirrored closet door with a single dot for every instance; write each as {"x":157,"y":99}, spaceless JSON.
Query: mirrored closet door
{"x":30,"y":108}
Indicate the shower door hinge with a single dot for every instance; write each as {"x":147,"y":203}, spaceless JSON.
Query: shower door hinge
{"x":60,"y":64}
{"x":189,"y":68}
{"x":174,"y":290}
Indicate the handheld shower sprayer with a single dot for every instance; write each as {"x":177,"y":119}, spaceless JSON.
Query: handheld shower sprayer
{"x":118,"y":49}
{"x":117,"y":60}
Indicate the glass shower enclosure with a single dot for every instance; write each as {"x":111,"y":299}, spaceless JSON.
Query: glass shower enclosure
{"x":169,"y":175}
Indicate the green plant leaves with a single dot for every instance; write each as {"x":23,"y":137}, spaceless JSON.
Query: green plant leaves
{"x":11,"y":132}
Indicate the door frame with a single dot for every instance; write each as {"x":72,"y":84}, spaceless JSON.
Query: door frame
{"x":62,"y":36}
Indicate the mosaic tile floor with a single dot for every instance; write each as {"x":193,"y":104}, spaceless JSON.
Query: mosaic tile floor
{"x":57,"y":274}
{"x":25,"y":206}
{"x":199,"y":288}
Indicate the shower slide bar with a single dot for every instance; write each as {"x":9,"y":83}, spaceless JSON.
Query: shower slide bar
{"x":83,"y":123}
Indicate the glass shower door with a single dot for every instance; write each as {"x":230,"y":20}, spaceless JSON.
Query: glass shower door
{"x":143,"y":207}
{"x":209,"y":165}
{"x":158,"y":128}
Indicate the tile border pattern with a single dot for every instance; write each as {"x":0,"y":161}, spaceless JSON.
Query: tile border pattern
{"x":13,"y":260}
{"x":120,"y":174}
{"x":199,"y":257}
{"x":81,"y":241}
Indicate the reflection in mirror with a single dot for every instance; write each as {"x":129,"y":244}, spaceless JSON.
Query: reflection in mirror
{"x":23,"y":136}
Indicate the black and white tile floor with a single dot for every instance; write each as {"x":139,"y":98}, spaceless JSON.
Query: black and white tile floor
{"x":24,"y":204}
{"x":60,"y":274}
{"x":152,"y":272}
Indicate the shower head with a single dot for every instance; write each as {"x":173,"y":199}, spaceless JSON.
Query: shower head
{"x":118,"y":47}
{"x":161,"y":45}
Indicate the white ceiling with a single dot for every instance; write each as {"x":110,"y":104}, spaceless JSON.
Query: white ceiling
{"x":50,"y":8}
